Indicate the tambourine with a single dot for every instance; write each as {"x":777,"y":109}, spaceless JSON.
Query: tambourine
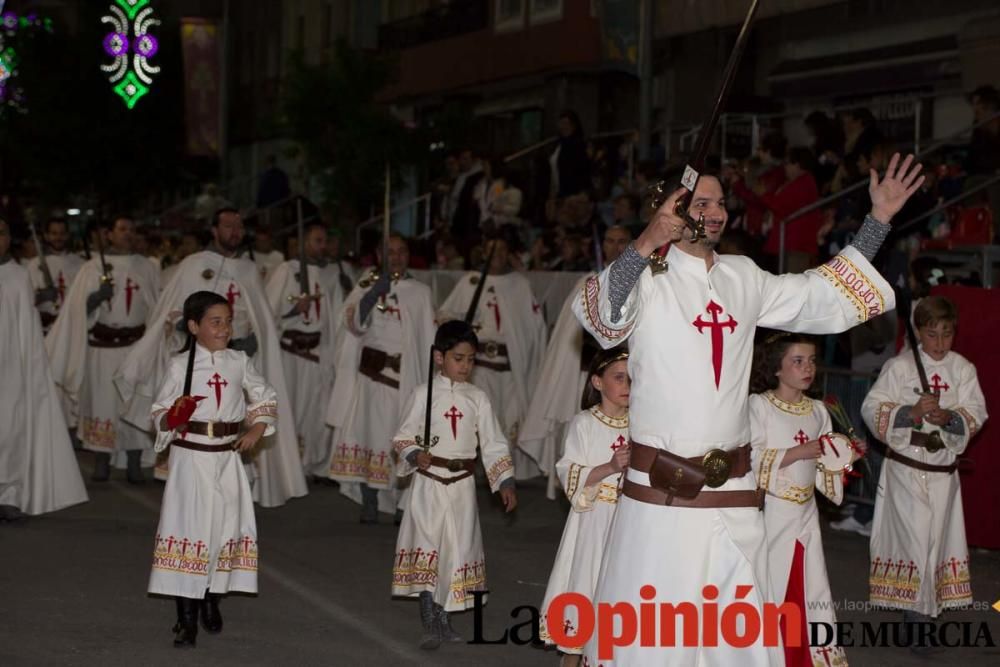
{"x":836,"y":453}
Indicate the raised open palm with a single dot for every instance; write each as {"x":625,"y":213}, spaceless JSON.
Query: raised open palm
{"x":889,"y":194}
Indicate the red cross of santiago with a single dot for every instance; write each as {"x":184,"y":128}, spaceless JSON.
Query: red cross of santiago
{"x":618,"y":444}
{"x":217,"y":382}
{"x":716,"y":327}
{"x":454,"y":415}
{"x":937,"y":384}
{"x":129,"y":288}
{"x":801,"y":438}
{"x":232,"y":293}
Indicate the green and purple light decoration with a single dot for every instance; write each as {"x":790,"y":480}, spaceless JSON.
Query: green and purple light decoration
{"x":130,"y":73}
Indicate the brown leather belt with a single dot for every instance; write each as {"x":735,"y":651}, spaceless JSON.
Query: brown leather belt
{"x":489,"y":350}
{"x":705,"y":499}
{"x":101,"y":335}
{"x":891,"y":453}
{"x":213,"y":429}
{"x":454,"y":465}
{"x":301,"y":343}
{"x":643,"y":456}
{"x":199,"y":447}
{"x":374,"y":361}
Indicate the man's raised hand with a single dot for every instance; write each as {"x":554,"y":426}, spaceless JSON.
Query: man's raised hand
{"x":898,"y":184}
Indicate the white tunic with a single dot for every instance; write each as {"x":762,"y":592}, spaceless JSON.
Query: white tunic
{"x":440,"y":544}
{"x":507,"y":315}
{"x":207,"y":535}
{"x":63,"y":267}
{"x":362,"y":411}
{"x":592,"y":438}
{"x":559,"y":391}
{"x":84,"y":371}
{"x":691,"y":337}
{"x":309,"y":373}
{"x":38,"y":471}
{"x":797,"y":569}
{"x":267,"y":262}
{"x":919,"y":556}
{"x":277,"y":464}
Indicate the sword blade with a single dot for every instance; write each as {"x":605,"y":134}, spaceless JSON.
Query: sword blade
{"x":470,"y":314}
{"x":43,"y":264}
{"x":303,"y":268}
{"x":386,"y":220}
{"x":430,"y":398}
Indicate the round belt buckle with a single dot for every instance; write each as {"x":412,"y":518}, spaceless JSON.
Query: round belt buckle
{"x":717,"y":466}
{"x":454,"y":465}
{"x":491,"y":349}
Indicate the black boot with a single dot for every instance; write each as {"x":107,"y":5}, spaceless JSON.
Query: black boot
{"x":448,"y":633}
{"x":921,"y":649}
{"x":133,"y":473}
{"x":431,"y":638}
{"x":186,"y":629}
{"x":102,"y":467}
{"x":369,"y":504}
{"x":211,"y":617}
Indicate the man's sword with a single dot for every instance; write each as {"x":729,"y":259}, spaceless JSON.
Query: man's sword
{"x":692,"y":171}
{"x":470,"y":314}
{"x":43,"y":264}
{"x":428,"y":441}
{"x":934,"y":441}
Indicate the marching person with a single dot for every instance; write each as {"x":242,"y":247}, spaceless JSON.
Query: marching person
{"x":63,"y":266}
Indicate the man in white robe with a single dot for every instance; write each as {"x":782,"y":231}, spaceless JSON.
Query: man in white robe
{"x":265,"y":255}
{"x":690,"y":330}
{"x":387,"y":327}
{"x":104,"y":316}
{"x":511,"y":331}
{"x":307,"y":328}
{"x":38,"y":471}
{"x":563,"y":375}
{"x":63,"y":266}
{"x":278,"y":469}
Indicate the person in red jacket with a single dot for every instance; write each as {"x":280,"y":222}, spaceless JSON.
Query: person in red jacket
{"x":770,"y":178}
{"x":799,"y":190}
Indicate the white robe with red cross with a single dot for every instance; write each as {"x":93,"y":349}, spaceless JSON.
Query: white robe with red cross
{"x":85,"y":372}
{"x":797,"y":567}
{"x":440,"y":545}
{"x":207,"y":535}
{"x":592,"y":438}
{"x":308,"y":374}
{"x":38,"y":471}
{"x":277,"y":467}
{"x":690,"y":332}
{"x":364,"y":413}
{"x":509,"y":315}
{"x":63,"y":267}
{"x":919,"y":556}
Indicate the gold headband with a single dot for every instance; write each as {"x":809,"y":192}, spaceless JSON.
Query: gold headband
{"x":607,"y":362}
{"x":773,"y":338}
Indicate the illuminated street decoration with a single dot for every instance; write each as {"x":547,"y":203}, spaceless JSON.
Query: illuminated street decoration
{"x":11,"y":94}
{"x":131,"y":46}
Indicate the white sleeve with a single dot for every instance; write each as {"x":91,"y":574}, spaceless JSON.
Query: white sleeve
{"x":593,"y":308}
{"x":493,"y":446}
{"x":262,"y":404}
{"x":573,"y":473}
{"x":404,"y":442}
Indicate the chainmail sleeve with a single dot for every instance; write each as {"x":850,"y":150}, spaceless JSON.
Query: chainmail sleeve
{"x":622,"y":276}
{"x":870,"y":237}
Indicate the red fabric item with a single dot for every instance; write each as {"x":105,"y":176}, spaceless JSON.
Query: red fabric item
{"x":800,"y":234}
{"x":797,"y":656}
{"x":772,"y":179}
{"x":975,"y":339}
{"x":182,"y":409}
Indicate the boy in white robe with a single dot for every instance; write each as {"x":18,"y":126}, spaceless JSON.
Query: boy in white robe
{"x":38,"y":471}
{"x":511,"y":332}
{"x":919,"y":556}
{"x":104,"y":316}
{"x":439,"y":551}
{"x":690,"y":328}
{"x":206,"y":541}
{"x":63,"y":266}
{"x":387,"y":327}
{"x":307,"y":328}
{"x":564,"y":375}
{"x":590,"y":472}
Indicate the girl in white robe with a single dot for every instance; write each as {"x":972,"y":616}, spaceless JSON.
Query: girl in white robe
{"x":206,"y":541}
{"x":919,"y":556}
{"x":785,"y":427}
{"x":590,"y":471}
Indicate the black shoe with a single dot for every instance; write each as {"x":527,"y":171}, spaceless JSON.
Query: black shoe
{"x":186,"y":628}
{"x":211,"y":617}
{"x":398,"y":519}
{"x":11,"y":513}
{"x":133,"y":472}
{"x":369,"y":505}
{"x":102,"y":467}
{"x":431,"y":638}
{"x":447,"y":633}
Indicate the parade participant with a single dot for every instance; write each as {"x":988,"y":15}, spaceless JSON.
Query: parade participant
{"x":387,"y":325}
{"x":38,"y":472}
{"x":564,"y":374}
{"x":690,"y":328}
{"x":104,"y":315}
{"x":926,"y":413}
{"x":511,"y":332}
{"x":265,"y":255}
{"x":206,"y":540}
{"x":63,"y":266}
{"x":439,"y":551}
{"x":305,"y":309}
{"x":785,"y":427}
{"x":590,"y":473}
{"x":276,"y":473}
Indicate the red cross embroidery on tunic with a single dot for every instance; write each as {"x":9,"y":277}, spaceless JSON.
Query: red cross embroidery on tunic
{"x":801,"y":438}
{"x":316,"y":300}
{"x":454,"y":416}
{"x":938,"y":384}
{"x":495,"y":307}
{"x":217,"y":382}
{"x":715,"y":327}
{"x":61,"y":281}
{"x":618,"y":444}
{"x":233,"y":293}
{"x":130,"y":287}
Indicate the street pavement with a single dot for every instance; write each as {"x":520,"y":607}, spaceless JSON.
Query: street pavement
{"x":72,"y":589}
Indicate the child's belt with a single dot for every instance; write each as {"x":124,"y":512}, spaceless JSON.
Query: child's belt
{"x":454,"y":465}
